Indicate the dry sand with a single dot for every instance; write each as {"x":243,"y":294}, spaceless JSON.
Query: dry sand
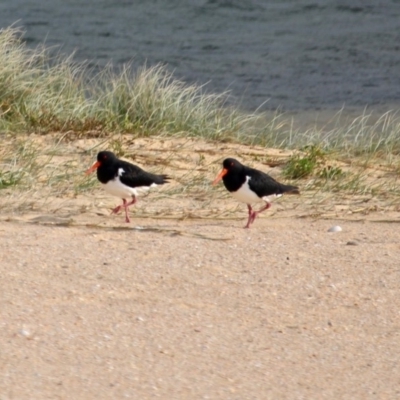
{"x":199,"y":309}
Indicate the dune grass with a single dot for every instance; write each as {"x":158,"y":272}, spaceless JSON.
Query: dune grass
{"x":43,"y":93}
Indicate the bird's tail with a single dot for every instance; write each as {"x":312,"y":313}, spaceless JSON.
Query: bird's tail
{"x":289,"y":189}
{"x":163,"y":179}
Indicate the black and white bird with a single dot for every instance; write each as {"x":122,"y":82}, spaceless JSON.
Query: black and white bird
{"x":123,"y":179}
{"x":249,"y":185}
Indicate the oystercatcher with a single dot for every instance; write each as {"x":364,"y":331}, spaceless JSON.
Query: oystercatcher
{"x":123,"y":179}
{"x":249,"y":185}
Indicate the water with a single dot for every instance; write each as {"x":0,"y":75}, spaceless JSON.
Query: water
{"x":296,"y":54}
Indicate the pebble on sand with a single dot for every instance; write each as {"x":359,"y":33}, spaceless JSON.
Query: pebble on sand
{"x":335,"y":228}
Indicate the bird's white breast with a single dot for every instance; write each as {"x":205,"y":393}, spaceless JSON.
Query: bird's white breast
{"x":245,"y":195}
{"x":116,"y":188}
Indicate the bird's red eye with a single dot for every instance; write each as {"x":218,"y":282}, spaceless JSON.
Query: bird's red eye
{"x":231,"y":164}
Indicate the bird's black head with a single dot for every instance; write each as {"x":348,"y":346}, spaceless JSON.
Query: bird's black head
{"x":106,"y":157}
{"x":103,"y":158}
{"x":229,"y":165}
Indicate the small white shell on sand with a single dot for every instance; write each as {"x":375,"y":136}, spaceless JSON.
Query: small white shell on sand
{"x":335,"y":228}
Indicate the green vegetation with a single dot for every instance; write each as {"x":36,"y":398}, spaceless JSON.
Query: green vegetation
{"x":303,"y":165}
{"x":9,"y":178}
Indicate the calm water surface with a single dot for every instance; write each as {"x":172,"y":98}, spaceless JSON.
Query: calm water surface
{"x":293,"y":54}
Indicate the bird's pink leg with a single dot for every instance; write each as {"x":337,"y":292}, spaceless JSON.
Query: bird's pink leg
{"x":132,"y":202}
{"x":252,"y":215}
{"x":255,"y":213}
{"x":267,"y":205}
{"x":117,"y":209}
{"x":126,"y":205}
{"x":126,"y":212}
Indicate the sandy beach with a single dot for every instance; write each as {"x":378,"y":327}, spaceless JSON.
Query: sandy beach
{"x":199,"y":309}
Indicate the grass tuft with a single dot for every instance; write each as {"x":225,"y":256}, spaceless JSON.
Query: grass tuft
{"x":303,"y":165}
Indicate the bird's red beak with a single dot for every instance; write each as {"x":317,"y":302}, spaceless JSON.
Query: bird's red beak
{"x":220,"y":176}
{"x":93,"y":168}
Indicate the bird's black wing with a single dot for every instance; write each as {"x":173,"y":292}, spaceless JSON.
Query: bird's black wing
{"x":135,"y":176}
{"x":265,"y":185}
